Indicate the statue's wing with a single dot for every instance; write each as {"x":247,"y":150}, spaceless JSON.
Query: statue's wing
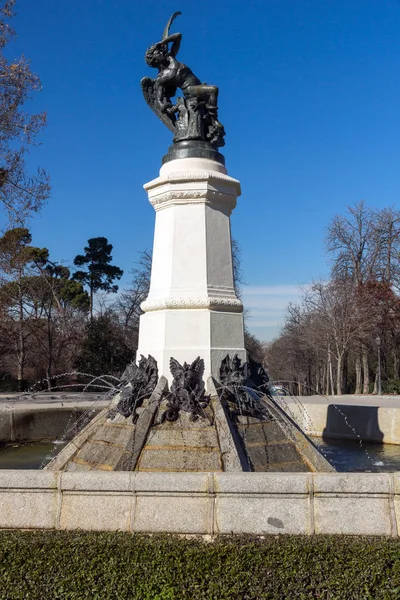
{"x":237,"y":363}
{"x":198,"y":366}
{"x":142,"y":362}
{"x":175,"y":368}
{"x":149,"y":95}
{"x":152,"y":372}
{"x":130,"y":373}
{"x":225,"y":370}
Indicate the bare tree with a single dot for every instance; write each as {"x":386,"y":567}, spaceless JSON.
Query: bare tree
{"x":127,"y":305}
{"x":341,"y":316}
{"x":387,"y":228}
{"x":353,"y":243}
{"x":319,"y":334}
{"x":334,"y":330}
{"x":16,"y":256}
{"x":20,"y":193}
{"x":59,"y":305}
{"x":238,"y":276}
{"x":40,"y":305}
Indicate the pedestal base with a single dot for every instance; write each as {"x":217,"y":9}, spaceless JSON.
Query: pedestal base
{"x":187,"y":334}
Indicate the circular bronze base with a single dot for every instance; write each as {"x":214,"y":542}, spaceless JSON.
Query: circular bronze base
{"x":193,"y":149}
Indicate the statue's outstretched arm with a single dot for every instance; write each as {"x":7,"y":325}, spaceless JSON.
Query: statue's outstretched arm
{"x":175,"y":38}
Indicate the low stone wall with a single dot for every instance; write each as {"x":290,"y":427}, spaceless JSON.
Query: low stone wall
{"x":202,"y":503}
{"x":35,"y":424}
{"x":371,"y":418}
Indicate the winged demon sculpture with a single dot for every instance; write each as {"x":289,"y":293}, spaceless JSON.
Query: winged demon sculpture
{"x":138,"y":383}
{"x":187,"y":390}
{"x":195,"y":115}
{"x":244,"y":384}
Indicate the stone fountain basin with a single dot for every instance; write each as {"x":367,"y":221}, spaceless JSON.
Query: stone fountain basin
{"x":45,"y":416}
{"x":204,"y":504}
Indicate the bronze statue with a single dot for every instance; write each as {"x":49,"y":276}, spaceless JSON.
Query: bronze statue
{"x":193,"y":117}
{"x":187,"y":391}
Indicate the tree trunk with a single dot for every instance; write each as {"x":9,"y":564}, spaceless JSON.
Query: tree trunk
{"x":365,"y":369}
{"x":91,"y":303}
{"x":49,"y":369}
{"x":375,"y":390}
{"x":339,"y":375}
{"x":345,"y":372}
{"x":358,"y":374}
{"x":48,"y":378}
{"x":20,"y":374}
{"x":49,"y":347}
{"x":326,"y":373}
{"x":309,"y":383}
{"x":395,"y":365}
{"x":331,"y":373}
{"x":21,"y":342}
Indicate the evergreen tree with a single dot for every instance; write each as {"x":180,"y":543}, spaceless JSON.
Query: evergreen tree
{"x":100,"y":274}
{"x":104,"y":351}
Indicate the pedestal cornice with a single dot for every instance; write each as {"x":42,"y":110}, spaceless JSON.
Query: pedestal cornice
{"x":206,"y":196}
{"x":198,"y":176}
{"x":186,"y":302}
{"x":193,"y":188}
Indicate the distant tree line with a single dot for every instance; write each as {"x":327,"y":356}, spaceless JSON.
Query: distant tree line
{"x":47,"y":323}
{"x":345,"y":332}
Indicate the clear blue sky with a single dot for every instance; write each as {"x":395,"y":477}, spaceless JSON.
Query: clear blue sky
{"x":309,"y":97}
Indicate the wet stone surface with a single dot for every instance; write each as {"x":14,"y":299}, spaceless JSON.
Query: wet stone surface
{"x":183,"y":459}
{"x":267,"y":447}
{"x":181,"y":445}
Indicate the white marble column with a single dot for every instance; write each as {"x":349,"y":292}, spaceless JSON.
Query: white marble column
{"x":192,"y":309}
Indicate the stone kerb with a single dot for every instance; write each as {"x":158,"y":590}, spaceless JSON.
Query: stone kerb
{"x":202,"y":503}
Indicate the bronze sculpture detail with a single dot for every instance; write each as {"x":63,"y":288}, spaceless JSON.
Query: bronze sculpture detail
{"x":194,"y":117}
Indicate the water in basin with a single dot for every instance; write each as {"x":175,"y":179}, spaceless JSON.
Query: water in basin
{"x":348,"y":455}
{"x":29,"y":455}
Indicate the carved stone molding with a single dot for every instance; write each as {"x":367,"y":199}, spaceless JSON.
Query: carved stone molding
{"x":173,"y":303}
{"x":192,"y":197}
{"x":199,"y":176}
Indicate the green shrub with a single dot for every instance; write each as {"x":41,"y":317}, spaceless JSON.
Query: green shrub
{"x":8,"y":383}
{"x":61,"y":565}
{"x":392,"y":386}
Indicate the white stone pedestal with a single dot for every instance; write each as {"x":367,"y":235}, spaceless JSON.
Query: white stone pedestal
{"x":192,"y":309}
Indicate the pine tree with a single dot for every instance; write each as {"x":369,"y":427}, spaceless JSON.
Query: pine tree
{"x":100,"y":274}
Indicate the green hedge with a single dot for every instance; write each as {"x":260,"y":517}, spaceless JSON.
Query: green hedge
{"x":53,"y":565}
